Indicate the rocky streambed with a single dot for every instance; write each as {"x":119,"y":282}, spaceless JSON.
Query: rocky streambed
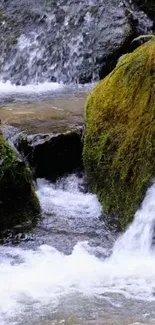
{"x":47,"y":136}
{"x":68,"y":266}
{"x":45,"y":116}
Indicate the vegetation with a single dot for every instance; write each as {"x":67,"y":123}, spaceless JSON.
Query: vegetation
{"x":18,"y":201}
{"x":119,"y":146}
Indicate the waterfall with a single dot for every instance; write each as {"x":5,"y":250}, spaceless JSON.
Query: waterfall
{"x":44,"y":280}
{"x":65,"y":41}
{"x":138,"y":238}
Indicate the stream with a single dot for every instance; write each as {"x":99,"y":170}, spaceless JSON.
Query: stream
{"x":72,"y":269}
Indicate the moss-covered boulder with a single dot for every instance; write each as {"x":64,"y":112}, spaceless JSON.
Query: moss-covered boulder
{"x":18,"y":201}
{"x":119,"y":147}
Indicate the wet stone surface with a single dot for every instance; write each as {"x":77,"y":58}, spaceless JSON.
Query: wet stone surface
{"x":34,"y":39}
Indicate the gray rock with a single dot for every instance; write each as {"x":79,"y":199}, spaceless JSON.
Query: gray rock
{"x":52,"y":155}
{"x":65,"y":40}
{"x":147,"y":6}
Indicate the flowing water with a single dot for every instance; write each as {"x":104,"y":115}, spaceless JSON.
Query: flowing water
{"x":43,"y":108}
{"x":72,"y":270}
{"x":63,"y":40}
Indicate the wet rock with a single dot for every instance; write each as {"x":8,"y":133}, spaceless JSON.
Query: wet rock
{"x":119,"y":146}
{"x":62,"y":41}
{"x":52,"y":155}
{"x":147,"y":6}
{"x":18,"y":201}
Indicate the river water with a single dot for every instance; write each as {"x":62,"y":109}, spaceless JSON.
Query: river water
{"x":72,"y":269}
{"x":43,"y":108}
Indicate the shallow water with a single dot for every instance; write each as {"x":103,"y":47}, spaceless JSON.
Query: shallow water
{"x":72,"y":270}
{"x":42,"y":108}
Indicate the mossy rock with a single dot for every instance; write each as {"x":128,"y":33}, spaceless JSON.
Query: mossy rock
{"x":119,"y":146}
{"x":18,"y":201}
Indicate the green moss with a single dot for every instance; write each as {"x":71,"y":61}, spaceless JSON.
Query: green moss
{"x":18,"y":201}
{"x":10,"y":28}
{"x":12,"y":40}
{"x":119,"y":146}
{"x":93,"y":11}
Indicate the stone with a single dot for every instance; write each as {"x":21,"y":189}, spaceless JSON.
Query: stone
{"x":148,"y":6}
{"x":18,"y":200}
{"x":65,"y":42}
{"x":52,"y":155}
{"x":119,"y":145}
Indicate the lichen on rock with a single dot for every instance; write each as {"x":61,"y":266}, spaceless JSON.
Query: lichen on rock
{"x":119,"y":146}
{"x":18,"y":201}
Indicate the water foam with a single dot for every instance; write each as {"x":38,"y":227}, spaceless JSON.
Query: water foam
{"x":40,"y":91}
{"x":138,"y":238}
{"x":66,"y":199}
{"x":8,"y":87}
{"x":31,"y":279}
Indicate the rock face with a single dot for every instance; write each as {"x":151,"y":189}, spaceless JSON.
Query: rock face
{"x":66,"y":41}
{"x":148,"y":6}
{"x":119,"y":147}
{"x":52,"y":155}
{"x":18,"y":201}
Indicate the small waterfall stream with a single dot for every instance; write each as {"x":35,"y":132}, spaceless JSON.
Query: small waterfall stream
{"x":65,"y":41}
{"x":66,"y":271}
{"x":71,"y":269}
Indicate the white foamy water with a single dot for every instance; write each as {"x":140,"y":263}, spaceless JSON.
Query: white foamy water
{"x":39,"y":91}
{"x":35,"y":279}
{"x":66,"y":199}
{"x":8,"y":87}
{"x":139,"y":236}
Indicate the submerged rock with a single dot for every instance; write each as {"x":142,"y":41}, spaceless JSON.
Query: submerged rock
{"x":52,"y":155}
{"x":119,"y":146}
{"x":18,"y":201}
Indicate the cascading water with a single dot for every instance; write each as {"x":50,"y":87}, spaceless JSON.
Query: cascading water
{"x":138,"y":239}
{"x":68,"y":270}
{"x":59,"y":279}
{"x":46,"y":44}
{"x":65,"y":41}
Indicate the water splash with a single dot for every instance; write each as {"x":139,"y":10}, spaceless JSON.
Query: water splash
{"x":62,"y":42}
{"x":138,"y":238}
{"x":38,"y":279}
{"x":66,"y":198}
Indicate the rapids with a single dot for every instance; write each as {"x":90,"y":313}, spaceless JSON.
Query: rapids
{"x":65,"y":41}
{"x":72,"y":270}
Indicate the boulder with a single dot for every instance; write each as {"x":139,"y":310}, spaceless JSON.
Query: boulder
{"x":119,"y":145}
{"x":62,"y":41}
{"x":52,"y":155}
{"x":18,"y":201}
{"x":148,"y":6}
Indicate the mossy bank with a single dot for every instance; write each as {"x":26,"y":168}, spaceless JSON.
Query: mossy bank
{"x":18,"y":201}
{"x":119,"y":147}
